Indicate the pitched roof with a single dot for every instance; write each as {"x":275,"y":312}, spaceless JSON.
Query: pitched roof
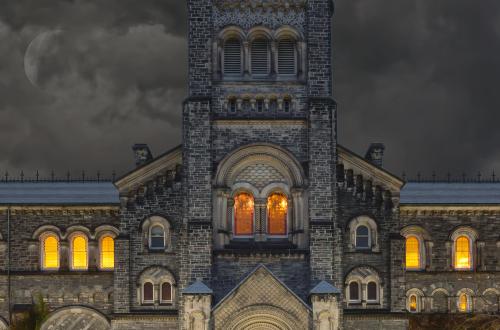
{"x":197,"y":287}
{"x":450,"y":193}
{"x":58,"y":193}
{"x":324,"y":287}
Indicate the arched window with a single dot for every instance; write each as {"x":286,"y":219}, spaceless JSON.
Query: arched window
{"x":362,"y":237}
{"x":463,"y":253}
{"x":232,"y":57}
{"x":166,"y":293}
{"x":147,"y":293}
{"x":260,"y":57}
{"x":463,"y":303}
{"x":287,"y":62}
{"x":243,"y":214}
{"x":50,"y":252}
{"x":412,"y":304}
{"x":372,"y":294}
{"x":277,"y":207}
{"x":354,"y":295}
{"x":107,"y":252}
{"x":79,"y":252}
{"x":412,"y":253}
{"x":157,"y":238}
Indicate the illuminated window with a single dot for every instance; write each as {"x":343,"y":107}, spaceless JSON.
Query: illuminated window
{"x":50,"y":252}
{"x":147,"y":293}
{"x":107,"y":252}
{"x":79,"y":258}
{"x":354,"y":291}
{"x":412,"y":252}
{"x":277,"y":207}
{"x":412,"y":305}
{"x":157,"y":238}
{"x":372,"y":292}
{"x":362,"y":237}
{"x":462,"y":253}
{"x":166,"y":292}
{"x":243,"y":214}
{"x":463,"y":303}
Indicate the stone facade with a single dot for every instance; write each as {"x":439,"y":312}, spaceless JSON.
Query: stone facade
{"x":338,"y":259}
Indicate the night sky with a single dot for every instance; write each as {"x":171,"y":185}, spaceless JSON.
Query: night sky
{"x":81,"y":81}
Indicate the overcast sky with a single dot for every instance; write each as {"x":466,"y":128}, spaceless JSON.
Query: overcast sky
{"x":81,"y":81}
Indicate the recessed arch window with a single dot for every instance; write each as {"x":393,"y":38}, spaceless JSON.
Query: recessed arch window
{"x":166,"y":293}
{"x":463,"y":303}
{"x":287,"y":58}
{"x":463,"y":253}
{"x":50,"y":252}
{"x":354,"y":292}
{"x":277,"y":210}
{"x":372,"y":292}
{"x":362,"y":237}
{"x":260,"y":57}
{"x":243,"y":214}
{"x":147,"y":293}
{"x":412,"y":252}
{"x":107,"y":252}
{"x":412,"y":303}
{"x":79,"y":252}
{"x":157,"y":237}
{"x":232,"y":57}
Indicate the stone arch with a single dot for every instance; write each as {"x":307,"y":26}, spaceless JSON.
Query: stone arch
{"x":3,"y":324}
{"x":76,"y":318}
{"x":278,"y":158}
{"x":46,"y":228}
{"x":288,"y":31}
{"x":439,"y":302}
{"x":260,"y":31}
{"x":261,"y":317}
{"x":232,"y":31}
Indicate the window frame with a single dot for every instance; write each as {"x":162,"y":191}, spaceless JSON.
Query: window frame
{"x":470,"y":252}
{"x":368,"y":235}
{"x":377,"y":294}
{"x":43,"y":237}
{"x":150,"y":237}
{"x":223,"y":60}
{"x":72,"y":238}
{"x":234,"y":232}
{"x":295,"y":57}
{"x":268,"y":57}
{"x":468,"y":307}
{"x":143,"y":300}
{"x":419,"y":252}
{"x":287,"y":215}
{"x":163,"y":301}
{"x":360,"y":292}
{"x":101,"y":238}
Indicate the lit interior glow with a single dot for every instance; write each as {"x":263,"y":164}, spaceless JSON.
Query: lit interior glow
{"x":50,"y":253}
{"x":462,"y":303}
{"x":79,"y":260}
{"x":412,"y":252}
{"x":462,"y":253}
{"x":243,"y":214}
{"x":413,"y":303}
{"x":107,"y":252}
{"x":277,"y":207}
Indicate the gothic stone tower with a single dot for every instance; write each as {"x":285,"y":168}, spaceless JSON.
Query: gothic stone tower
{"x":259,"y":157}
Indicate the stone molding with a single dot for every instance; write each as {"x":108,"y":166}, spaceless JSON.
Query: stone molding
{"x":453,"y":210}
{"x":60,"y":210}
{"x":264,"y":4}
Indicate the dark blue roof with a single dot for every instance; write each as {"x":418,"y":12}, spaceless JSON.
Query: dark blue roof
{"x":197,"y":287}
{"x":324,"y":287}
{"x":450,"y":193}
{"x":58,"y":193}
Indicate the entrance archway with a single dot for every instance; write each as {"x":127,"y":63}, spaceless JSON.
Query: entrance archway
{"x":76,"y":318}
{"x":262,"y":318}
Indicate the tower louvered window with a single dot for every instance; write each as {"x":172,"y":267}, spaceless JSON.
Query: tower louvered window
{"x":260,"y":57}
{"x":287,"y":63}
{"x":232,"y":57}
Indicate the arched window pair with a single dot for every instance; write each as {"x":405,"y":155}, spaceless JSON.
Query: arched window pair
{"x":79,"y":255}
{"x":165,"y":294}
{"x":355,"y":292}
{"x":244,"y":214}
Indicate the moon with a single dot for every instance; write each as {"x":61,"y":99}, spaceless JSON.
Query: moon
{"x":39,"y":46}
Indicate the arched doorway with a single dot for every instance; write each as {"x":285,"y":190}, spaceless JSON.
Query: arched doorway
{"x":76,"y":318}
{"x":262,"y":318}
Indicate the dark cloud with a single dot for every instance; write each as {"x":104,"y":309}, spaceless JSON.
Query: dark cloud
{"x":420,"y":76}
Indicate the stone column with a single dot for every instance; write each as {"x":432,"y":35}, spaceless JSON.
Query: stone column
{"x":325,"y":307}
{"x":197,"y":307}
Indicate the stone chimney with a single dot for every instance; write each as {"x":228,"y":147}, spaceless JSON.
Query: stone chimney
{"x":375,"y":154}
{"x":142,"y":154}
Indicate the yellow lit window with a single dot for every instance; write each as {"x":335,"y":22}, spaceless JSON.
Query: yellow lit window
{"x":243,"y":214}
{"x":79,"y":249}
{"x":277,"y":207}
{"x":107,"y":253}
{"x":462,"y":253}
{"x":463,"y":303}
{"x":50,"y":253}
{"x":413,"y":303}
{"x":412,"y":252}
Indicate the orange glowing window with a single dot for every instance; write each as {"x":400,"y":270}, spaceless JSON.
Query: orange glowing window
{"x":50,"y":253}
{"x":412,"y":252}
{"x":277,"y":207}
{"x":79,"y":252}
{"x":107,"y":252}
{"x":243,"y":214}
{"x":462,"y":253}
{"x":413,"y":303}
{"x":463,"y":303}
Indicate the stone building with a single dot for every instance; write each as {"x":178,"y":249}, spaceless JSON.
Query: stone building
{"x":259,"y":220}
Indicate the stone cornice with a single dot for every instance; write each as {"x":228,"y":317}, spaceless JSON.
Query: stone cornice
{"x":61,"y":210}
{"x":259,"y":122}
{"x":437,"y":210}
{"x":261,"y":4}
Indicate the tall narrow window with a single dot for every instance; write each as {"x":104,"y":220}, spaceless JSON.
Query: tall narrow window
{"x":362,"y":237}
{"x":107,"y":252}
{"x":260,"y":105}
{"x":50,"y":252}
{"x":79,"y":260}
{"x":286,"y":105}
{"x":277,"y":207}
{"x":147,"y":293}
{"x":354,"y":291}
{"x":371,"y":292}
{"x":463,"y":303}
{"x":232,"y":57}
{"x":166,"y":292}
{"x":232,"y":106}
{"x":243,"y":214}
{"x":462,"y":253}
{"x":287,"y":63}
{"x":260,"y":57}
{"x":412,"y":304}
{"x":157,"y":238}
{"x":412,"y":253}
